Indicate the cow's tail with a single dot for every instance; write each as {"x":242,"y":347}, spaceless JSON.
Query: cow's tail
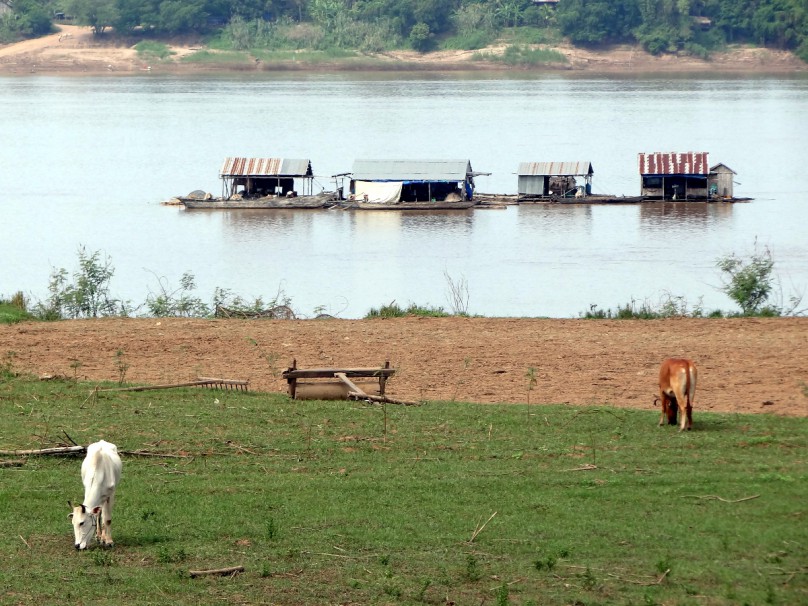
{"x":691,"y":383}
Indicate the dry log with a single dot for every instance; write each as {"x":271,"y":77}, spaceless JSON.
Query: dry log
{"x":58,"y":450}
{"x":220,"y":571}
{"x":74,"y":450}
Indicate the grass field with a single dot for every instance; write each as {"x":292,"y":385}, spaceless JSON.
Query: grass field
{"x":447,"y":502}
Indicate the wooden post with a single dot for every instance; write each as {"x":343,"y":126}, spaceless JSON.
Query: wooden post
{"x":293,"y":380}
{"x":383,"y":378}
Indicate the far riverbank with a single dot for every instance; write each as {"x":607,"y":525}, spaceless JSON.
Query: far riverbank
{"x":74,"y":50}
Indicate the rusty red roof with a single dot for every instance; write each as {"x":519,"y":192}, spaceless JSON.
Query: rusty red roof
{"x":672,"y":163}
{"x":265,"y":167}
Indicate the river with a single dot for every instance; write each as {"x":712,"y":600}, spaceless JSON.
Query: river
{"x":87,"y":161}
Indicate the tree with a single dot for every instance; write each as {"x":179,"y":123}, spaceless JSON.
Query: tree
{"x":98,"y":14}
{"x":33,"y":19}
{"x":420,"y":37}
{"x":181,"y":16}
{"x":589,"y":22}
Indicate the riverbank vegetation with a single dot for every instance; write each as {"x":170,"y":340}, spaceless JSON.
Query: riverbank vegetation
{"x":87,"y":293}
{"x":447,"y":502}
{"x":694,"y":27}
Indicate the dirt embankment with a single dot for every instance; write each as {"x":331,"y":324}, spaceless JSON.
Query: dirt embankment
{"x":74,"y":50}
{"x":745,"y":365}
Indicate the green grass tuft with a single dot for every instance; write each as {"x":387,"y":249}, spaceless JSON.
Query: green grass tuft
{"x":207,"y":57}
{"x":149,"y":49}
{"x":394,"y":310}
{"x":523,"y":56}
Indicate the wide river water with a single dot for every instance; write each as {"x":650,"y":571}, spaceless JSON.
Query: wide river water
{"x":87,"y":161}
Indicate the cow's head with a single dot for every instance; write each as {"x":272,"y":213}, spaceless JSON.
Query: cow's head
{"x":670,"y":408}
{"x":84,"y":524}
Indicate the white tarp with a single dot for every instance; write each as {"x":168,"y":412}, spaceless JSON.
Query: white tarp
{"x":378,"y":192}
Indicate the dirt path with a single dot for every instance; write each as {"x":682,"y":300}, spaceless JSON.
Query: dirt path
{"x":745,"y":365}
{"x":74,"y":50}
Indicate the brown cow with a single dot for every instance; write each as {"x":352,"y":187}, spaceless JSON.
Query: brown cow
{"x":677,"y":388}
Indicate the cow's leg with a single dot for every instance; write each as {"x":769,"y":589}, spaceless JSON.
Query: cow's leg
{"x":106,"y":515}
{"x":663,"y":400}
{"x":684,"y":409}
{"x":689,"y":412}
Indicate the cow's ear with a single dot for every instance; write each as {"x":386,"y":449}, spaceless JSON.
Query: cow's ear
{"x":70,"y":516}
{"x":96,"y":510}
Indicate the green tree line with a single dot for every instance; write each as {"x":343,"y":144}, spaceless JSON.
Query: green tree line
{"x":695,"y":26}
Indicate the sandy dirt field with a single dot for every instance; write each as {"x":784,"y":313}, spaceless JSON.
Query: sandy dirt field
{"x":745,"y":365}
{"x":74,"y":50}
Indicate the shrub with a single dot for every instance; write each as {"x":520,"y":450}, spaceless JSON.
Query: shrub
{"x":393,"y":310}
{"x":749,"y":282}
{"x":179,"y":302}
{"x":470,"y":41}
{"x":153,"y":50}
{"x":88,"y":296}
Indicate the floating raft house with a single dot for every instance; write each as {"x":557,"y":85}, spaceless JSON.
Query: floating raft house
{"x":394,"y":181}
{"x":257,"y":177}
{"x":539,"y":180}
{"x":674,"y":176}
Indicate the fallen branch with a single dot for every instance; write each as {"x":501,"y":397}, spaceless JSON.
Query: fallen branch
{"x":356,"y":395}
{"x":479,"y":529}
{"x":146,"y":453}
{"x":642,"y":583}
{"x":71,"y":440}
{"x":717,"y":498}
{"x":586,"y":467}
{"x":58,"y":450}
{"x":232,"y":571}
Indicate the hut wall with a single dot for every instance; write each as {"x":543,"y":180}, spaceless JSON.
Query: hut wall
{"x":531,"y":185}
{"x":723,"y":182}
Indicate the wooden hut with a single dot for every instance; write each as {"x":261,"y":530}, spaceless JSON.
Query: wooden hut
{"x":554,"y":180}
{"x":674,"y":176}
{"x":258,"y":177}
{"x":394,"y":181}
{"x":720,"y":181}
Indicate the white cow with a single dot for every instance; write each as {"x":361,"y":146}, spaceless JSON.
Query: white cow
{"x":100,"y":473}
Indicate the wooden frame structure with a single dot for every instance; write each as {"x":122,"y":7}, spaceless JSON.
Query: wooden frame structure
{"x":337,"y":383}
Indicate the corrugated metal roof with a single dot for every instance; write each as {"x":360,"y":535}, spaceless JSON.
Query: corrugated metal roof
{"x":538,"y":169}
{"x":411,"y":170}
{"x":265,"y":167}
{"x":719,"y":165}
{"x":665,"y":163}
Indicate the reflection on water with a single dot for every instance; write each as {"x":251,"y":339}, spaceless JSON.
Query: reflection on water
{"x":93,"y":157}
{"x":684,"y":216}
